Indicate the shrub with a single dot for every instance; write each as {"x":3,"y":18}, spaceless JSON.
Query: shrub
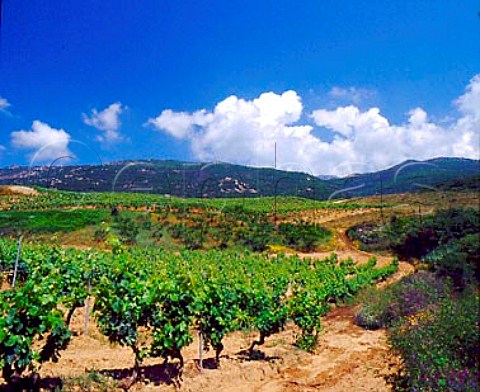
{"x":374,"y":312}
{"x":101,"y":233}
{"x":458,"y":260}
{"x":370,"y":236}
{"x":440,"y":347}
{"x":381,"y":308}
{"x":302,"y":236}
{"x":415,"y":238}
{"x":434,"y":329}
{"x":128,"y":230}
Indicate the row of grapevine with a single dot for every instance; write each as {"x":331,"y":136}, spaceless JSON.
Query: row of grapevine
{"x":48,"y":199}
{"x":152,"y":300}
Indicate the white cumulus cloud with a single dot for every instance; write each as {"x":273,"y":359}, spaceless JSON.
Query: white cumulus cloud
{"x":2,"y":149}
{"x":107,"y":121}
{"x":44,"y":142}
{"x":179,"y":124}
{"x":245,"y":131}
{"x":4,"y":105}
{"x":352,"y":94}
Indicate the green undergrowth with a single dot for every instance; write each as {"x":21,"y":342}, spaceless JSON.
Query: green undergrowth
{"x":36,"y":222}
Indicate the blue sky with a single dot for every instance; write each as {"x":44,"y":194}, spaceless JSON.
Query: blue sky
{"x":347,"y":85}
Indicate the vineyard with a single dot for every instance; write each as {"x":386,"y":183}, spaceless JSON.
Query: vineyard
{"x":227,"y":196}
{"x":50,"y":199}
{"x":152,"y":301}
{"x":176,"y":285}
{"x":256,"y":224}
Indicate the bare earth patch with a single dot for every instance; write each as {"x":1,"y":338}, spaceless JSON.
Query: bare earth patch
{"x":348,"y":358}
{"x":17,"y":190}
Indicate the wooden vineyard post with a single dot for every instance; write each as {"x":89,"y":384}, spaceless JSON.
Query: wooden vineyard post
{"x":200,"y":350}
{"x":15,"y":270}
{"x":87,"y":308}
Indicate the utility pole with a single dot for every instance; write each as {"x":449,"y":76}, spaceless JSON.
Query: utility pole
{"x":275,"y":187}
{"x":381,"y":199}
{"x":275,"y":155}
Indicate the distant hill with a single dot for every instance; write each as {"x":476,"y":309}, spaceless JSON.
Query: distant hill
{"x":226,"y":180}
{"x":464,"y":184}
{"x":171,"y":177}
{"x":410,"y":176}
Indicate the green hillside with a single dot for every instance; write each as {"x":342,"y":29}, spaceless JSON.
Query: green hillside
{"x":221,"y":180}
{"x":410,"y":176}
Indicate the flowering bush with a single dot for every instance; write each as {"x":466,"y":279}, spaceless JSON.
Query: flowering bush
{"x":434,"y":329}
{"x":440,"y":348}
{"x":382,"y":308}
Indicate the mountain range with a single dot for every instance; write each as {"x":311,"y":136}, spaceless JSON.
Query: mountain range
{"x":186,"y":179}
